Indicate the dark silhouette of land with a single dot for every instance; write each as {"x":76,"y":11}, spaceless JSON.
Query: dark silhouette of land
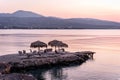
{"x":30,"y":20}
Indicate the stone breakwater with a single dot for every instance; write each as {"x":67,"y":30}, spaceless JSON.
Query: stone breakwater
{"x":45,"y":60}
{"x":16,"y":76}
{"x":52,"y":60}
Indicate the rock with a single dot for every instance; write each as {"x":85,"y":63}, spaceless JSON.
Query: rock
{"x":16,"y":76}
{"x":4,"y":68}
{"x":50,"y":60}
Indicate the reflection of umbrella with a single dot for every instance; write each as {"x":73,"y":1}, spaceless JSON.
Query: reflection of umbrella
{"x":38,"y":44}
{"x":54,"y":43}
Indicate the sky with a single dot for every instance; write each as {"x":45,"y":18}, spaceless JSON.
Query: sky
{"x":100,"y":9}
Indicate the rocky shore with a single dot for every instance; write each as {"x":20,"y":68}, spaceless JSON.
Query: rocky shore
{"x":11,"y":63}
{"x":16,"y":76}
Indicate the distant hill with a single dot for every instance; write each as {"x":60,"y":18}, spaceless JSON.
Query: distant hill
{"x":94,"y":21}
{"x":21,"y":13}
{"x":30,"y":20}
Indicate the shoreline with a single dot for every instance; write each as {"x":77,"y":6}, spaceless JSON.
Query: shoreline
{"x":15,"y":62}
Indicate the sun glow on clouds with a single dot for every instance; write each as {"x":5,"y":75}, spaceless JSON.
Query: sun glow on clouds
{"x":103,"y":9}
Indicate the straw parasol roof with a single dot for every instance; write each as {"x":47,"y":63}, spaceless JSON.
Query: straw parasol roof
{"x":38,"y":44}
{"x":63,"y":45}
{"x":54,"y":43}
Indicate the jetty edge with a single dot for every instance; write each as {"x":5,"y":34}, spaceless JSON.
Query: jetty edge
{"x":44,"y":60}
{"x":48,"y":60}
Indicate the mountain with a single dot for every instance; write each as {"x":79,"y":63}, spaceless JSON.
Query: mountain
{"x":21,"y":13}
{"x":30,"y":20}
{"x":94,"y":21}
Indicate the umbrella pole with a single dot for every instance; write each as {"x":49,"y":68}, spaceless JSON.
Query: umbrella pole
{"x":55,"y":48}
{"x":38,"y":49}
{"x":58,"y":47}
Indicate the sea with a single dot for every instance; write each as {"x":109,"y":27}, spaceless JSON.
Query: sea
{"x":105,"y":42}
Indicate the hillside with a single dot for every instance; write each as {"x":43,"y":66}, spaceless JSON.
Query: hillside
{"x":30,"y":20}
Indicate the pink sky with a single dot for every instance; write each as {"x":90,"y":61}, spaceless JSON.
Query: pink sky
{"x":101,"y":9}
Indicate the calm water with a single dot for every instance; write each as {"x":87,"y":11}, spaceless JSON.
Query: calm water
{"x":106,"y":44}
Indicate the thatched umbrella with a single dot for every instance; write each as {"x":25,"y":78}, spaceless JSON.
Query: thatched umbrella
{"x":54,"y":43}
{"x":63,"y":45}
{"x":38,"y":44}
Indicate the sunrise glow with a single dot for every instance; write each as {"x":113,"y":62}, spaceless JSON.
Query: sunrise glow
{"x":101,"y":9}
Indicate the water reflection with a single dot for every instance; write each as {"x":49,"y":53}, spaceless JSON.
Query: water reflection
{"x":106,"y":44}
{"x":54,"y":73}
{"x":58,"y":74}
{"x":38,"y":73}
